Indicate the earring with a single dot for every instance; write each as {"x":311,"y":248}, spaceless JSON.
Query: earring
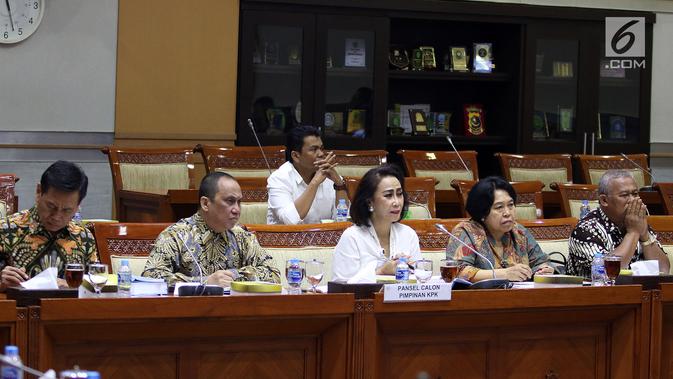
{"x":371,"y":208}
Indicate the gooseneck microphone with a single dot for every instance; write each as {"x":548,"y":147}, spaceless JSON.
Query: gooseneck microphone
{"x":252,"y":127}
{"x":200,"y":289}
{"x":641,"y":169}
{"x":482,"y":284}
{"x":448,"y":138}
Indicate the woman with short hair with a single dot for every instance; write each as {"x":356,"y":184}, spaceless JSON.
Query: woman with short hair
{"x":377,"y":240}
{"x":494,"y":232}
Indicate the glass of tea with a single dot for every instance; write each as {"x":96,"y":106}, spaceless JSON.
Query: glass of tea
{"x":613,"y":264}
{"x":448,"y":270}
{"x":74,"y":273}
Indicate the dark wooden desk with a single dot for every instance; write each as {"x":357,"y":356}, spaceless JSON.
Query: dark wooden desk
{"x":151,"y":207}
{"x":661,"y":341}
{"x":535,"y":333}
{"x":208,"y":337}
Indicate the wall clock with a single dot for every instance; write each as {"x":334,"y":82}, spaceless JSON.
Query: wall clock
{"x":19,"y":19}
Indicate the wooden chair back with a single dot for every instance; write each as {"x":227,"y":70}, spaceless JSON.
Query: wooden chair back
{"x":529,"y":200}
{"x":594,"y":166}
{"x":132,"y":241}
{"x":9,"y":202}
{"x":666,"y":192}
{"x":444,"y":166}
{"x":241,"y":161}
{"x":547,"y":168}
{"x":572,"y":196}
{"x":663,"y":227}
{"x":420,"y":190}
{"x":552,"y":235}
{"x":356,"y":163}
{"x":254,"y":204}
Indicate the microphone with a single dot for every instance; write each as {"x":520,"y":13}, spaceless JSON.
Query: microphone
{"x":252,"y":127}
{"x":38,"y":374}
{"x":448,"y":137}
{"x":200,"y":289}
{"x":647,"y":188}
{"x":482,"y":284}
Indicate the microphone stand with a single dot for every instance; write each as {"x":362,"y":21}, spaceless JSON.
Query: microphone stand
{"x":252,"y":127}
{"x":458,"y":154}
{"x":645,"y":188}
{"x":200,"y":289}
{"x":482,"y":284}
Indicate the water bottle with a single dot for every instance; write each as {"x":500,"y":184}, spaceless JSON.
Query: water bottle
{"x":342,"y":211}
{"x":124,"y":278}
{"x":584,"y":209}
{"x":12,"y":355}
{"x":402,"y":271}
{"x":598,"y":275}
{"x":295,"y":274}
{"x":93,"y":375}
{"x":77,"y":218}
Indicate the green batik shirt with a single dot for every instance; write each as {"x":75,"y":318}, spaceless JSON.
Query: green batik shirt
{"x":24,"y":242}
{"x":172,"y":257}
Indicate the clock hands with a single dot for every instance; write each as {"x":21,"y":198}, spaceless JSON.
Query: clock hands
{"x":9,"y":10}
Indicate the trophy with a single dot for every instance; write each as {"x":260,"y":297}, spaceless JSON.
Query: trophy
{"x":428,"y":57}
{"x":293,"y":56}
{"x":458,"y":59}
{"x":399,"y":59}
{"x":483,"y":58}
{"x":417,"y":60}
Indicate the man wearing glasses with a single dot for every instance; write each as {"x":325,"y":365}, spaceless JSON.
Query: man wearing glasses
{"x":618,"y":226}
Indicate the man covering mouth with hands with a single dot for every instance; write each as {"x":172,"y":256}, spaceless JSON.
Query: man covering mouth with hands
{"x":306,"y":188}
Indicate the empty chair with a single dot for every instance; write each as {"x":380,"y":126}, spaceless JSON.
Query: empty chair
{"x":594,"y":166}
{"x":547,"y":168}
{"x":356,"y":163}
{"x":552,"y":235}
{"x":241,"y":161}
{"x":420,"y":191}
{"x":444,"y":166}
{"x":666,"y":192}
{"x":663,"y":227}
{"x":572,"y":196}
{"x":433,"y":242}
{"x":528,"y":197}
{"x":254,"y":204}
{"x":9,"y":202}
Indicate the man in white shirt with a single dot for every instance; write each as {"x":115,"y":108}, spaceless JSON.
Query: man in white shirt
{"x":305,"y":189}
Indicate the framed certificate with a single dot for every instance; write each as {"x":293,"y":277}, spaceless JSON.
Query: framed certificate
{"x":419,"y":123}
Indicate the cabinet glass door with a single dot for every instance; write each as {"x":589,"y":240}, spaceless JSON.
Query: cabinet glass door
{"x":556,"y":91}
{"x":274,"y":58}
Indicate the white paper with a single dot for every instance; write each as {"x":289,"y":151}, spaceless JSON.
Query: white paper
{"x":367,"y":274}
{"x":650,"y":267}
{"x":46,"y":280}
{"x":355,"y":52}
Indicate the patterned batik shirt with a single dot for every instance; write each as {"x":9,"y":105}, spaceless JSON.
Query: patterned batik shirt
{"x":24,"y":242}
{"x":172,"y":257}
{"x":519,"y":246}
{"x":595,"y":233}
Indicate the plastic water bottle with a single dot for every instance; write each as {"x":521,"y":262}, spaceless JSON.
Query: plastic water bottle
{"x":77,"y":218}
{"x":342,"y":211}
{"x":8,"y":371}
{"x":93,"y":375}
{"x":402,"y":271}
{"x":295,"y":274}
{"x":598,"y":275}
{"x":584,"y":209}
{"x":124,"y":278}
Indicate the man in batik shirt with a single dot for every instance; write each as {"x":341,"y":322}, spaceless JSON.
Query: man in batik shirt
{"x":209,"y":246}
{"x":45,"y":236}
{"x":618,"y":226}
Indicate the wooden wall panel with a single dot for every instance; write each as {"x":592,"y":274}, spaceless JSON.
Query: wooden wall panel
{"x":177,"y":69}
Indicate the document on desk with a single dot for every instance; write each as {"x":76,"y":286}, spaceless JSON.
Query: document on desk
{"x":144,"y":286}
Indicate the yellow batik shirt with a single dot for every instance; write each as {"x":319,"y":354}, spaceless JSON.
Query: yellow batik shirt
{"x":172,"y":257}
{"x":24,"y":242}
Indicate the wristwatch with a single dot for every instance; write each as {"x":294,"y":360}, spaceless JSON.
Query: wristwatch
{"x":340,"y":187}
{"x":650,"y":241}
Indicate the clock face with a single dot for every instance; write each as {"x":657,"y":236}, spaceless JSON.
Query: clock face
{"x":19,"y":19}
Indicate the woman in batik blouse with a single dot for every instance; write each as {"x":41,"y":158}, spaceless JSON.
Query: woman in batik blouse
{"x":494,"y":232}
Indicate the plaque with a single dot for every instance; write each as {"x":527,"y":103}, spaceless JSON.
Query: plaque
{"x":459,"y":59}
{"x":399,"y":59}
{"x":474,"y":120}
{"x":276,"y":118}
{"x":617,"y":127}
{"x":419,"y":124}
{"x":540,"y":125}
{"x":355,"y":53}
{"x":442,"y":123}
{"x":417,"y":60}
{"x":428,"y":57}
{"x":483,"y":57}
{"x":270,"y":52}
{"x":565,"y":123}
{"x":334,"y":123}
{"x":356,"y":120}
{"x":293,"y":56}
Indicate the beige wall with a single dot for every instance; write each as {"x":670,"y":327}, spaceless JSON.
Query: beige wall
{"x":176,"y":72}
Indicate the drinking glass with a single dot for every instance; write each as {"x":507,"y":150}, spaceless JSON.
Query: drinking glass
{"x":448,"y":270}
{"x":423,"y":270}
{"x":98,"y":276}
{"x":613,"y":265}
{"x":74,"y":273}
{"x":315,"y":270}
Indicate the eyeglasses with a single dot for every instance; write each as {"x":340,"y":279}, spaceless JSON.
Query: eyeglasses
{"x":501,"y":208}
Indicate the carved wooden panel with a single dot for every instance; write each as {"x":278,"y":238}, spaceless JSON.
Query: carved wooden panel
{"x":358,"y":160}
{"x":299,"y":239}
{"x":609,"y":164}
{"x":222,"y":162}
{"x":421,"y":197}
{"x":440,"y":165}
{"x":536,"y":163}
{"x":525,"y":198}
{"x":551,"y":232}
{"x":130,"y":247}
{"x":255,"y":364}
{"x":255,"y":195}
{"x":115,"y":363}
{"x":145,"y":158}
{"x":578,"y":194}
{"x":433,"y":241}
